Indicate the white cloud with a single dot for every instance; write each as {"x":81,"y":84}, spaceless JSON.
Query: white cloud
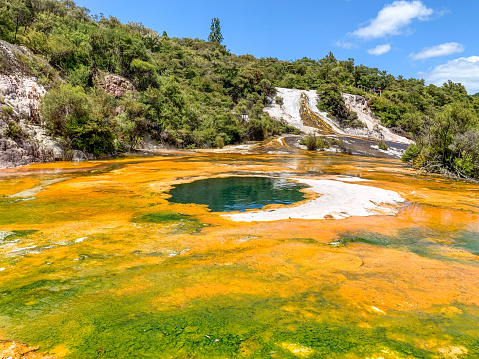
{"x":445,"y":49}
{"x":393,"y":18}
{"x":346,"y":45}
{"x":380,"y":50}
{"x":464,"y":70}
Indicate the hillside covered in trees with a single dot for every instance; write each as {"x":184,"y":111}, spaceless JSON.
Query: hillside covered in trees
{"x":192,"y":93}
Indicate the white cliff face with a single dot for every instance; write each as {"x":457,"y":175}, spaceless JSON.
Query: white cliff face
{"x":20,"y":96}
{"x":290,"y":111}
{"x":359,"y":105}
{"x":299,"y":106}
{"x":19,"y":91}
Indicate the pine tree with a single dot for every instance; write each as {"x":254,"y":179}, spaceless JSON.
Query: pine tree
{"x":215,"y":33}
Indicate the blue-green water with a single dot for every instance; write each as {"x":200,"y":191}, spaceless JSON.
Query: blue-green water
{"x":238,"y":193}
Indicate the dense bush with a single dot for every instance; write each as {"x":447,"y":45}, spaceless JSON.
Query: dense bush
{"x":383,"y":146}
{"x":313,"y":142}
{"x":332,"y":101}
{"x":74,"y":116}
{"x":449,"y":143}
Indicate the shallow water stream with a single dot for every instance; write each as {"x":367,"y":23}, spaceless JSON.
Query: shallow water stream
{"x":97,"y":262}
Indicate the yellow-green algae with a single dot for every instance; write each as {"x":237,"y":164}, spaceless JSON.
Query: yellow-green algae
{"x":101,"y":265}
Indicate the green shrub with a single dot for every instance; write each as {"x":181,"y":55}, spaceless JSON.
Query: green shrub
{"x":14,"y":131}
{"x":220,"y":142}
{"x":71,"y":114}
{"x":142,"y":66}
{"x":449,"y":143}
{"x":143,"y":74}
{"x":7,"y":110}
{"x":313,"y":142}
{"x":80,"y":76}
{"x":130,"y":126}
{"x":411,"y":153}
{"x":332,"y":101}
{"x":383,"y":146}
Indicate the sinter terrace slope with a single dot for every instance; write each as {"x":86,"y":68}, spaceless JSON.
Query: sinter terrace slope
{"x":299,"y":109}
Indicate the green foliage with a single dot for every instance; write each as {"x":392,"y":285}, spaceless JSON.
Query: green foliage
{"x":332,"y":101}
{"x":14,"y":131}
{"x":220,"y":143}
{"x":449,"y":143}
{"x":143,"y":74}
{"x":215,"y":33}
{"x":388,"y":111}
{"x":383,"y":146}
{"x":165,"y":104}
{"x":80,"y":76}
{"x":313,"y":142}
{"x":411,"y":153}
{"x":71,"y":114}
{"x":7,"y":110}
{"x":142,"y":66}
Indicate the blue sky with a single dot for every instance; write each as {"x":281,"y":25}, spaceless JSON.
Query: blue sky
{"x":435,"y":40}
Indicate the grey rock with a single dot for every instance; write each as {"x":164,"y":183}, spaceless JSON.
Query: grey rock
{"x":22,"y":92}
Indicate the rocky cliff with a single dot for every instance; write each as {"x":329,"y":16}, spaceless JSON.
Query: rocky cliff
{"x":373,"y":127}
{"x":23,"y":81}
{"x":298,"y":108}
{"x":114,"y":85}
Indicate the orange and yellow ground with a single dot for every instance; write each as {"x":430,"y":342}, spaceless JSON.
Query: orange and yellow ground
{"x":84,"y":276}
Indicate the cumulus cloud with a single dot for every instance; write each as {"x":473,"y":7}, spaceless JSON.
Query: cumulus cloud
{"x":445,"y":49}
{"x":464,"y":70}
{"x":346,"y":45}
{"x":393,"y":18}
{"x":380,"y":50}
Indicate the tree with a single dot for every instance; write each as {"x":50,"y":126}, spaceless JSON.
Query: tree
{"x":21,"y":14}
{"x":215,"y":33}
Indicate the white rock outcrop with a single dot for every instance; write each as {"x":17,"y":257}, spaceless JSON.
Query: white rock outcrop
{"x":373,"y":129}
{"x":299,"y":106}
{"x":289,"y":111}
{"x":20,"y":96}
{"x":19,"y":90}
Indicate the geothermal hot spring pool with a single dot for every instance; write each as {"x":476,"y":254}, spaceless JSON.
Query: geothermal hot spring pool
{"x":237,"y":193}
{"x":360,"y":258}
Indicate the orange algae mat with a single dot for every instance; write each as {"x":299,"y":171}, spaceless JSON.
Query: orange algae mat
{"x":98,"y":264}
